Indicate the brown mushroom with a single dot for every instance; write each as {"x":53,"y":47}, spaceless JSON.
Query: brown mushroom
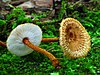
{"x":74,"y":39}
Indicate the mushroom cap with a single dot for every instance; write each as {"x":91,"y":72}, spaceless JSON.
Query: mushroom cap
{"x":74,"y":39}
{"x":15,"y":40}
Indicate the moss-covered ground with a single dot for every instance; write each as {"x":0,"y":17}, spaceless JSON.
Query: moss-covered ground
{"x":38,"y":64}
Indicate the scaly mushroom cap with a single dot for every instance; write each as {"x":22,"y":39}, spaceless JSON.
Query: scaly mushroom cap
{"x":15,"y":41}
{"x":74,"y":39}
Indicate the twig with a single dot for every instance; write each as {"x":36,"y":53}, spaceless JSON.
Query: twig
{"x":46,"y":22}
{"x":17,"y":2}
{"x":2,"y":44}
{"x":96,"y":47}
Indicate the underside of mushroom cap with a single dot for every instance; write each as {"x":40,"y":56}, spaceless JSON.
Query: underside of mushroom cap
{"x":15,"y":40}
{"x":74,"y":39}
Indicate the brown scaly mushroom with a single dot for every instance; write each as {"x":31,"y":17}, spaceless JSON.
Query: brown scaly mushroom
{"x":25,"y":38}
{"x":74,"y":39}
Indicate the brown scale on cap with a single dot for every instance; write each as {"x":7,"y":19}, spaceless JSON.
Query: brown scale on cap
{"x":74,"y":39}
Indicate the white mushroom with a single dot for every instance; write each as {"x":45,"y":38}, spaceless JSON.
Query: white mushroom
{"x":15,"y":41}
{"x":25,"y":38}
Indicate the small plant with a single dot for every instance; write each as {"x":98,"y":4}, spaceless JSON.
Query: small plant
{"x":16,"y":17}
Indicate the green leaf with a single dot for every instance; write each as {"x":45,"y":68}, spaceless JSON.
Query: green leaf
{"x":54,"y":73}
{"x":2,"y":22}
{"x":89,"y":24}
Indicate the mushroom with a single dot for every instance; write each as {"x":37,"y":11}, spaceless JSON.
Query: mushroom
{"x":74,"y":39}
{"x":25,"y":38}
{"x":50,"y":39}
{"x":14,"y":41}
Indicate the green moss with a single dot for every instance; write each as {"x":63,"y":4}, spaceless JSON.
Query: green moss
{"x":38,"y":64}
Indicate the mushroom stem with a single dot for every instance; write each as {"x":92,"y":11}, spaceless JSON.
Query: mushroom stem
{"x":53,"y":59}
{"x":2,"y":44}
{"x":50,"y":39}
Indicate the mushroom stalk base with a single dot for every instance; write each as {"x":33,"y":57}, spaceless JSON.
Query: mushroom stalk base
{"x":53,"y":59}
{"x":50,"y":40}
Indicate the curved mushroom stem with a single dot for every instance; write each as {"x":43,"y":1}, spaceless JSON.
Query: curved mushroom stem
{"x":2,"y":44}
{"x":43,"y":40}
{"x":53,"y":59}
{"x":50,"y":39}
